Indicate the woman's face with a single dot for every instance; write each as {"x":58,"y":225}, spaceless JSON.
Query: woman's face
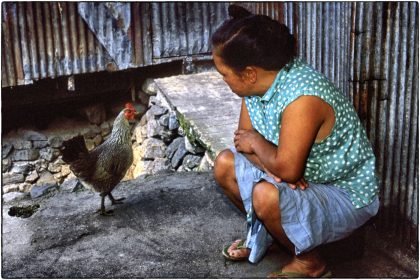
{"x":237,"y":82}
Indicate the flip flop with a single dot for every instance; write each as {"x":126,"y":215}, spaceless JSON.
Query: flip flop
{"x":291,"y":274}
{"x":240,"y":245}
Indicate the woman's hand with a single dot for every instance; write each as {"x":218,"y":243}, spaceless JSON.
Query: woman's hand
{"x":302,"y":184}
{"x":244,"y":139}
{"x":277,"y":179}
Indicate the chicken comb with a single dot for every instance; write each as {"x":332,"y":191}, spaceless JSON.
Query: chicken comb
{"x":129,"y":105}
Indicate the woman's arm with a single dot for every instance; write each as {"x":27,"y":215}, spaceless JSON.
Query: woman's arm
{"x":246,"y":124}
{"x":304,"y":121}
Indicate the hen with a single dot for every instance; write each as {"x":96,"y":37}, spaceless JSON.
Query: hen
{"x":103,"y":167}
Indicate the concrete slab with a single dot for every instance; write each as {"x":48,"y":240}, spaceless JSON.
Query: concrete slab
{"x":171,"y":225}
{"x":206,"y":106}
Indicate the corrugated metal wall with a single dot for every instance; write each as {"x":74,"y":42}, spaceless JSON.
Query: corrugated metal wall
{"x":53,"y":39}
{"x":370,"y":51}
{"x":385,"y":93}
{"x":46,"y":40}
{"x":322,"y":33}
{"x":111,"y":23}
{"x":181,"y":29}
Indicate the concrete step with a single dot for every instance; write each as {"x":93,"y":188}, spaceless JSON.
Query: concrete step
{"x":207,"y":109}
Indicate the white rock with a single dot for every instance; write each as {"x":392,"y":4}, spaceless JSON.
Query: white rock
{"x":46,"y":178}
{"x":152,"y":148}
{"x":149,"y":87}
{"x":10,"y":188}
{"x":193,"y":149}
{"x":22,"y":144}
{"x":14,"y":196}
{"x":22,"y":167}
{"x":12,"y":178}
{"x":140,"y":133}
{"x":25,"y":187}
{"x":206,"y":164}
{"x":54,"y":167}
{"x":154,"y":129}
{"x":65,"y":170}
{"x":141,"y":168}
{"x":32,"y":177}
{"x":158,"y":164}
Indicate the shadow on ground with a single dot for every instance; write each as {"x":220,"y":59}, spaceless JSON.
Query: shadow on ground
{"x":172,"y":225}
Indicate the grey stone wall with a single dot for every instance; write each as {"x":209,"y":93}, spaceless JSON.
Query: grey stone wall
{"x":31,"y":159}
{"x":159,"y":142}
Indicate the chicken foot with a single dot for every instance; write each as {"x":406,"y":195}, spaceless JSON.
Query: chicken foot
{"x":102,"y":210}
{"x":115,"y":200}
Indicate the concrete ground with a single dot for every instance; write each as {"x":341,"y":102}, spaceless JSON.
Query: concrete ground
{"x":172,"y":225}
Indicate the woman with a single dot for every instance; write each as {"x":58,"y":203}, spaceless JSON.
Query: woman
{"x":302,"y":168}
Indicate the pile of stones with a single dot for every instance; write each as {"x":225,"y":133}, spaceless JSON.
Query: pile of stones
{"x":31,"y":159}
{"x":160,"y":143}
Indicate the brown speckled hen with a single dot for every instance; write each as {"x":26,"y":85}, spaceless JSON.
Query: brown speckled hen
{"x":103,"y":167}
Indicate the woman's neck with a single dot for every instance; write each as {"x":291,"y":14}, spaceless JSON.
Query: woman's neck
{"x":264,"y":80}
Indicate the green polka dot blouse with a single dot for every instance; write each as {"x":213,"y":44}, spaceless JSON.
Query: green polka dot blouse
{"x":345,"y":158}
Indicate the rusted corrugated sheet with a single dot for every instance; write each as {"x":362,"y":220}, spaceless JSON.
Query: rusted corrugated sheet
{"x":53,"y":39}
{"x":370,"y":51}
{"x":47,"y":40}
{"x":111,"y":22}
{"x":141,"y":33}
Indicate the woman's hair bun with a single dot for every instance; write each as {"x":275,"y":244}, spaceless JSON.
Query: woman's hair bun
{"x":238,"y":12}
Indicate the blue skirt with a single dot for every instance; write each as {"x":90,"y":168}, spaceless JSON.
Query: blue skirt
{"x":318,"y":215}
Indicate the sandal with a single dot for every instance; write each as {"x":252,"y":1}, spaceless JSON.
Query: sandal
{"x":240,"y":244}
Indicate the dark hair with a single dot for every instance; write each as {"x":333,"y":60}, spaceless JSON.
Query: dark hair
{"x":257,"y":40}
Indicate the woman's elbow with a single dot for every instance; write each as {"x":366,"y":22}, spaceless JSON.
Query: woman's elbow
{"x":291,"y":178}
{"x":290,"y":173}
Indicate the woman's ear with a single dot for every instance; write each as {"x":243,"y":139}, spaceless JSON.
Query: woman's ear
{"x":249,"y":74}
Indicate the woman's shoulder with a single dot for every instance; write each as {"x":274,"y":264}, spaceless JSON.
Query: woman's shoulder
{"x":304,"y":75}
{"x":303,"y":79}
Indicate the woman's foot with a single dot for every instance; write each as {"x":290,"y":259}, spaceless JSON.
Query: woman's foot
{"x":236,"y":251}
{"x":308,"y":267}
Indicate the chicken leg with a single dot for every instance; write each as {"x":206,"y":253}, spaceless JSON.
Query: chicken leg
{"x":115,"y":200}
{"x":102,"y":210}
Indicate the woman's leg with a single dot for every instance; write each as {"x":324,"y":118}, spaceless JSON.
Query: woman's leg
{"x":265,"y":200}
{"x":224,"y":173}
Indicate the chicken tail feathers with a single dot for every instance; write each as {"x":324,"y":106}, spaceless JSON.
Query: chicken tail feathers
{"x":74,"y":149}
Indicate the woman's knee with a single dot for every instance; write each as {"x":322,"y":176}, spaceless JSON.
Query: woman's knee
{"x":223,"y":166}
{"x":265,"y":199}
